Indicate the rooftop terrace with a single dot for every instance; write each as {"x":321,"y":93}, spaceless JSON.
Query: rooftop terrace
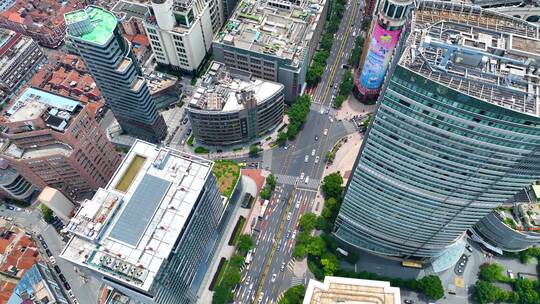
{"x":33,"y":102}
{"x":489,"y":56}
{"x":228,"y":90}
{"x":349,"y":290}
{"x":277,"y":28}
{"x":127,"y":232}
{"x":93,"y":24}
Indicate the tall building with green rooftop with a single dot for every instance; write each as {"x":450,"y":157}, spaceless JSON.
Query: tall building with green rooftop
{"x":94,"y":35}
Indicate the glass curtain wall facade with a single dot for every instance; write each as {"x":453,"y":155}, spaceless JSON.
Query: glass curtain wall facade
{"x":434,"y":162}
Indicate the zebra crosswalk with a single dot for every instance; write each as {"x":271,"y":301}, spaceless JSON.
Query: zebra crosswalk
{"x":312,"y":183}
{"x":297,"y":281}
{"x":290,"y":265}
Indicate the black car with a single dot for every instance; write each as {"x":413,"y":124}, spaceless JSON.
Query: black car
{"x":408,"y":302}
{"x":67,"y":286}
{"x":62,"y":278}
{"x":9,"y":207}
{"x":57,"y":269}
{"x":44,"y":244}
{"x":48,"y":252}
{"x":316,"y":138}
{"x":40,"y":237}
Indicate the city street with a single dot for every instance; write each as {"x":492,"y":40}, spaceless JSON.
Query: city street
{"x":270,"y":272}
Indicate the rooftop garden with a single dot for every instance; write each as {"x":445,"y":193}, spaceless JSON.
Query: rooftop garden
{"x":227,"y":173}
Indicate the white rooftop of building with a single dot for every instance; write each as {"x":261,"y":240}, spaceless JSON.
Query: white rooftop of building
{"x":33,"y":102}
{"x":347,"y":290}
{"x":487,"y":55}
{"x":227,"y":90}
{"x":129,"y":228}
{"x":277,"y":28}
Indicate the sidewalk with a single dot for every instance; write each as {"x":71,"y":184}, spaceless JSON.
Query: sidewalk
{"x":224,"y":249}
{"x":351,"y":107}
{"x":343,"y":162}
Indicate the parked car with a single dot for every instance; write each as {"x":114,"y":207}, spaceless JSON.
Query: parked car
{"x":67,"y":286}
{"x":57,"y":269}
{"x":62,"y":278}
{"x":48,"y":252}
{"x":9,"y":207}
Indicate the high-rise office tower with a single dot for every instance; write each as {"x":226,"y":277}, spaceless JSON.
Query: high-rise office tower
{"x":384,"y":34}
{"x":456,"y":133}
{"x":152,"y":232}
{"x":55,"y":141}
{"x":181,"y":31}
{"x":94,"y":35}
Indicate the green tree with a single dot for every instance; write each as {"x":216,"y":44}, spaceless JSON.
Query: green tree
{"x":323,"y":224}
{"x":338,"y":101}
{"x":271,"y":181}
{"x":281,"y":138}
{"x":321,"y":57}
{"x":316,"y":246}
{"x":347,"y":83}
{"x":327,"y":41}
{"x":307,"y":221}
{"x":329,"y":157}
{"x":254,"y":150}
{"x":303,"y":238}
{"x":330,"y":263}
{"x":491,"y":272}
{"x":332,"y":185}
{"x":266,"y":193}
{"x":236,"y":261}
{"x":244,"y":244}
{"x":222,"y":295}
{"x":299,"y":251}
{"x":231,"y":277}
{"x":48,"y":215}
{"x":314,"y":74}
{"x":432,"y":287}
{"x":293,"y":295}
{"x":485,"y":292}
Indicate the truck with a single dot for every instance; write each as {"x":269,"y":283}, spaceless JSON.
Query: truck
{"x":263,"y":209}
{"x":249,"y":257}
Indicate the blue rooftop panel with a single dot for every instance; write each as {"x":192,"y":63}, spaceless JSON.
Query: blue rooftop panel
{"x":56,"y":101}
{"x":140,"y":209}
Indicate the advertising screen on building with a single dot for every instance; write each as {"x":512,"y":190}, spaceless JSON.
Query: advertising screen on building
{"x":380,"y":50}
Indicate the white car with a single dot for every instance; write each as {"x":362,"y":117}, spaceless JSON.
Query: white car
{"x":274,"y":277}
{"x":313,"y":152}
{"x":297,"y":205}
{"x":302,"y":175}
{"x":52,"y":260}
{"x":289,"y":216}
{"x":317,"y":160}
{"x":293,"y":235}
{"x":307,"y":180}
{"x":325,"y":132}
{"x":306,"y":158}
{"x":261,"y":297}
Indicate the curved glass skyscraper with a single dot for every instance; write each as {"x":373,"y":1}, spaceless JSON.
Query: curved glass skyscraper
{"x":456,"y":133}
{"x":95,"y":36}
